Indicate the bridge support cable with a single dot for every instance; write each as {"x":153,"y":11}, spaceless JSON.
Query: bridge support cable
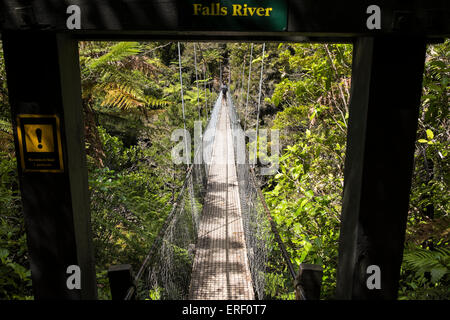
{"x":220,"y":71}
{"x":182,"y":104}
{"x":194,"y":212}
{"x":205,"y":74}
{"x":253,"y":180}
{"x":248,"y":86}
{"x":196,"y":81}
{"x":259,"y":104}
{"x":241,"y":86}
{"x":260,"y":87}
{"x":229,"y":71}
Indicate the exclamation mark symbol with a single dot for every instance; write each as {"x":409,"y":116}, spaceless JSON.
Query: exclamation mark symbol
{"x":39,"y":136}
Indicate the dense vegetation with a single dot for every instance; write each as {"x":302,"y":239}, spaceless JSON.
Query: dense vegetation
{"x":132,"y":103}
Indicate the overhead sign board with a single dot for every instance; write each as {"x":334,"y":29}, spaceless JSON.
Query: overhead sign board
{"x":234,"y":15}
{"x":40,"y":143}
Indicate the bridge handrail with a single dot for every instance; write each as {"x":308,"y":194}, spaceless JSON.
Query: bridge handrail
{"x":286,"y":257}
{"x":273,"y":226}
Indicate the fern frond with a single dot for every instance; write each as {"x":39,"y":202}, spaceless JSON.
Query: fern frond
{"x":436,"y":262}
{"x":155,"y":102}
{"x":123,"y":97}
{"x":118,"y":52}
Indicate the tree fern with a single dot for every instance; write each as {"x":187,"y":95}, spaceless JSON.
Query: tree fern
{"x":126,"y":97}
{"x":120,"y":76}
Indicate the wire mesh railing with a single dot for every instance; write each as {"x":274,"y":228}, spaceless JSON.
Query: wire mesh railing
{"x":166,"y":271}
{"x":259,"y":240}
{"x":210,"y":133}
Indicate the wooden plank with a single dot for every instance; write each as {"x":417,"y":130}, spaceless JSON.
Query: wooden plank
{"x":44,"y":79}
{"x":384,"y":108}
{"x":163,"y":17}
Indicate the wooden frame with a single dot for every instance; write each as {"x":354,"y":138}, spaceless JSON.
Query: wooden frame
{"x":380,"y":150}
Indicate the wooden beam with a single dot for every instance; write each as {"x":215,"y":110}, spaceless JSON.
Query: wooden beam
{"x":121,"y":280}
{"x":330,"y":19}
{"x":44,"y":80}
{"x":308,"y":282}
{"x":384,"y":109}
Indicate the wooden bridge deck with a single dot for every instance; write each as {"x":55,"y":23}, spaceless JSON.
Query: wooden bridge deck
{"x":221,"y":270}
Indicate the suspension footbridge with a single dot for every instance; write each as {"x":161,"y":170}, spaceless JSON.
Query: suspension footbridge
{"x":221,"y":269}
{"x":216,"y":241}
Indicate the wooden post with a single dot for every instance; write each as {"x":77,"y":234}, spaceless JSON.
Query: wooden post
{"x":121,"y":279}
{"x":45,"y":93}
{"x":384,"y":108}
{"x":308,"y":282}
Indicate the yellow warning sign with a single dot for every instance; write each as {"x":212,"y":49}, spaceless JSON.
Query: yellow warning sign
{"x":39,"y":138}
{"x":40,"y":143}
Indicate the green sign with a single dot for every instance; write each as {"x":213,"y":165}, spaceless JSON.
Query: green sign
{"x":234,"y":15}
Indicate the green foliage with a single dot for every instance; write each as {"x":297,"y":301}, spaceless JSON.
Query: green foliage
{"x":5,"y":127}
{"x":15,"y":277}
{"x":155,"y":294}
{"x":424,"y":273}
{"x":117,"y":156}
{"x":4,"y":105}
{"x":305,"y":195}
{"x":430,"y":195}
{"x":18,"y":277}
{"x":277,"y":286}
{"x":423,"y":261}
{"x":128,"y":204}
